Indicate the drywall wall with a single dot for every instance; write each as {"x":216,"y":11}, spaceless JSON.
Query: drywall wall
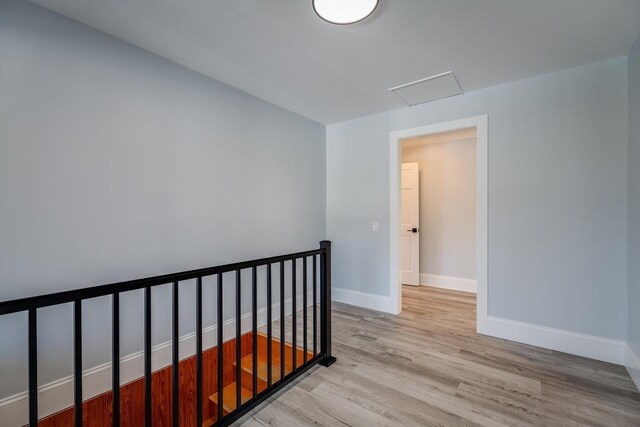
{"x":117,"y":164}
{"x":633,"y":324}
{"x":556,"y":196}
{"x":447,"y":173}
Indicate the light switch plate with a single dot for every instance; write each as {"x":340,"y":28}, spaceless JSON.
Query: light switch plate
{"x":375,"y":226}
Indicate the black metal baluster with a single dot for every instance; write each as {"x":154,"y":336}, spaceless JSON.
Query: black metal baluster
{"x":254,"y":325}
{"x":315,"y":307}
{"x":220,"y":356}
{"x":238,"y":341}
{"x":294,"y":297}
{"x":325,"y":303}
{"x":304,"y":309}
{"x":282,"y":320}
{"x":147,"y":356}
{"x":199,"y":351}
{"x":175,"y":353}
{"x":77,"y":361}
{"x":115,"y":359}
{"x":269,"y":333}
{"x":33,"y":368}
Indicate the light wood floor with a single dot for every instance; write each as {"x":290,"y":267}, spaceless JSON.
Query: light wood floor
{"x":429,"y":367}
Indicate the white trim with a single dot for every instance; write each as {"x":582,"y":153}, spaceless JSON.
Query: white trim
{"x":362,"y":299}
{"x":632,"y":363}
{"x":449,"y":282}
{"x":58,"y":395}
{"x":593,"y":347}
{"x":481,"y":123}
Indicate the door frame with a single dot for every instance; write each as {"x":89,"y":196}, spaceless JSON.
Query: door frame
{"x":481,"y":123}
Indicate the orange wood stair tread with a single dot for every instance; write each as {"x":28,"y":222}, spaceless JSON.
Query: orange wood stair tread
{"x":246,"y":363}
{"x":229,"y":397}
{"x":287,"y":345}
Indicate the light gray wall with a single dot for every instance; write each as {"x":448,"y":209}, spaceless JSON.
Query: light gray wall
{"x":634,"y":199}
{"x":557,"y":196}
{"x":447,"y":206}
{"x":117,"y":164}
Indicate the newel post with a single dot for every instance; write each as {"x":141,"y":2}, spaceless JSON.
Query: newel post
{"x":325,"y":303}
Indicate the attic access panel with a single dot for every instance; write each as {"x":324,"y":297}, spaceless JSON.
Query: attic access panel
{"x":435,"y":87}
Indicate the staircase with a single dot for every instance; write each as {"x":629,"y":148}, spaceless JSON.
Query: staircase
{"x":246,"y":365}
{"x":181,"y":394}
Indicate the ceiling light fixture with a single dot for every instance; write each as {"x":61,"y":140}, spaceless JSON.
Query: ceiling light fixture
{"x":342,"y":12}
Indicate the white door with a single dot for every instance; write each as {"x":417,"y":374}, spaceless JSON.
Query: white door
{"x":410,"y":225}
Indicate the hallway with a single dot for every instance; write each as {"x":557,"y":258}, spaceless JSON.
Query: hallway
{"x":427,"y":366}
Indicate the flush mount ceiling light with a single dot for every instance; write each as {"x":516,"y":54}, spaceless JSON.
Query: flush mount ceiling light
{"x":344,"y":12}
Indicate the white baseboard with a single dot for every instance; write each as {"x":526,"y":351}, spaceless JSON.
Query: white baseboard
{"x":58,"y":395}
{"x":449,"y":282}
{"x":590,"y":346}
{"x":363,"y":299}
{"x":632,"y":363}
{"x":593,"y":347}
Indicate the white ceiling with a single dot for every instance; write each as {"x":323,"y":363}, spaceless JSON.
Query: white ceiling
{"x":278,"y":50}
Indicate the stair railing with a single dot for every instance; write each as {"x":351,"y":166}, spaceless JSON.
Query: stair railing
{"x":324,"y":357}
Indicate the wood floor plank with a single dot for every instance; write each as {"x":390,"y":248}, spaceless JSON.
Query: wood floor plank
{"x":428,"y":367}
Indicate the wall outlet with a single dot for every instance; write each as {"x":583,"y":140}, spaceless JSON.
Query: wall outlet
{"x":375,"y":226}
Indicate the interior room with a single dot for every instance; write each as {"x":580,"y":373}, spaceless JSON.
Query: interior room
{"x":320,"y":212}
{"x":438,"y":210}
{"x":446,"y":227}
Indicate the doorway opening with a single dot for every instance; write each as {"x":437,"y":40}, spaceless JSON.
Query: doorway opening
{"x":438,"y":209}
